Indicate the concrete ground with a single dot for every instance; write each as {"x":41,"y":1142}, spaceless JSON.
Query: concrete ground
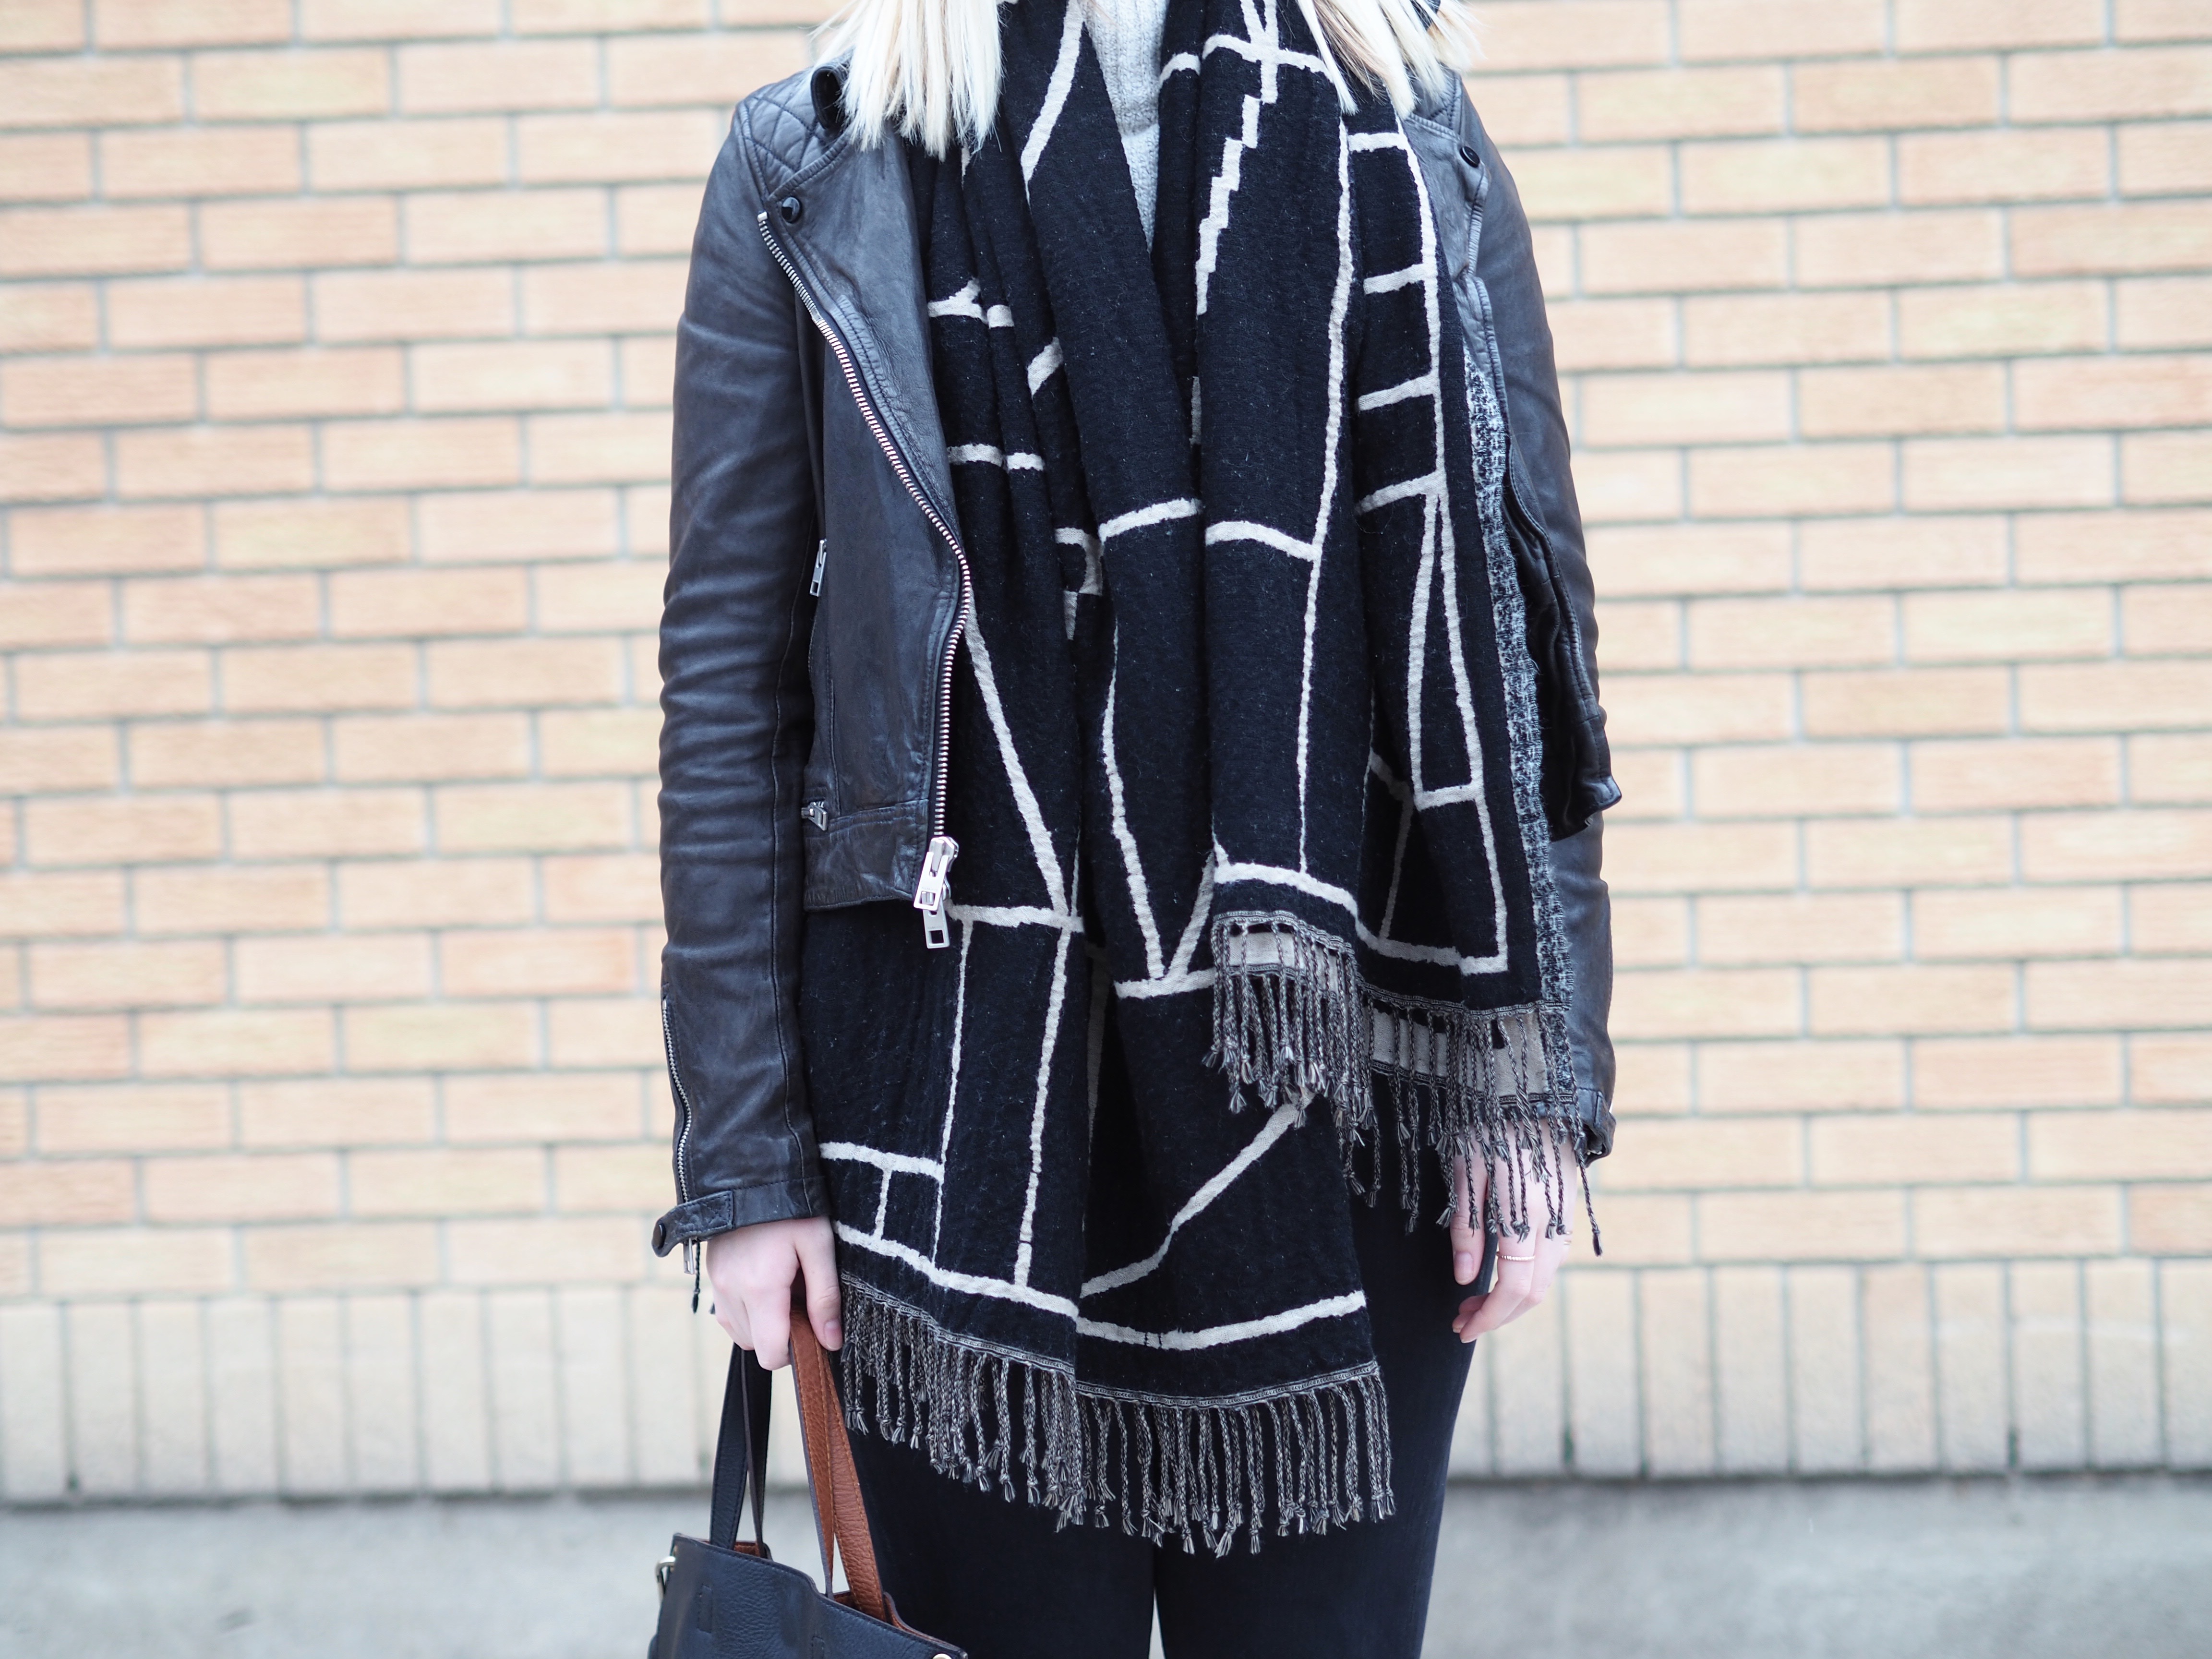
{"x":2044,"y":1569}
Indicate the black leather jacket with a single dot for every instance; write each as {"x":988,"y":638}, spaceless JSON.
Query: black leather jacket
{"x":812,"y":595}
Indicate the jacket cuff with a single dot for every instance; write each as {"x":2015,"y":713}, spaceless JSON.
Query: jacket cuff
{"x":1597,"y":1124}
{"x":735,"y":1207}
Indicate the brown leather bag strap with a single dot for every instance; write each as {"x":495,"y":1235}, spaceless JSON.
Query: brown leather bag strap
{"x":841,"y":1517}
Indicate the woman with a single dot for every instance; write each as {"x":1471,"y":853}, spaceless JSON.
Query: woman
{"x":1132,"y":771}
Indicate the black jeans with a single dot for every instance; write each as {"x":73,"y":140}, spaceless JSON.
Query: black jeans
{"x":994,"y":1576}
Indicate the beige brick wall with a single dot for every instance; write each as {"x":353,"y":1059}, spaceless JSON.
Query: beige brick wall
{"x":334,"y":367}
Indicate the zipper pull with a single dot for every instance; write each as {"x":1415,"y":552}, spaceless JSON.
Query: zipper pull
{"x":821,"y":558}
{"x":692,"y":1261}
{"x":816,"y":812}
{"x":931,"y":892}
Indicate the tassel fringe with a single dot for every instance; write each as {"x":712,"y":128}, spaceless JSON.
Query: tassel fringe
{"x":1196,"y":1472}
{"x":1294,"y":1019}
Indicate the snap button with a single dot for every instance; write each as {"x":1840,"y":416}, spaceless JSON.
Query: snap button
{"x":791,"y":208}
{"x":1470,"y":155}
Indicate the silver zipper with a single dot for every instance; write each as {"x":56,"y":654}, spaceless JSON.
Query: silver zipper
{"x":821,"y":558}
{"x":692,"y":1255}
{"x":931,"y":892}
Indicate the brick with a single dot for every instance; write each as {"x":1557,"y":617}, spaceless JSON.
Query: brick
{"x":1615,"y":182}
{"x":90,"y":92}
{"x":658,"y":219}
{"x":2008,"y":923}
{"x":59,"y":1047}
{"x":419,"y":154}
{"x":264,"y":535}
{"x":218,"y":610}
{"x":714,"y":71}
{"x":1862,"y":250}
{"x":473,"y":527}
{"x":66,"y":1192}
{"x":412,"y":305}
{"x":1884,"y":1151}
{"x":1715,"y":558}
{"x":630,"y":296}
{"x":2169,"y":1069}
{"x":365,"y":1256}
{"x":606,"y":887}
{"x":513,"y":374}
{"x":56,"y":613}
{"x":55,"y":468}
{"x":289,"y":85}
{"x":447,"y":1181}
{"x":597,"y":742}
{"x":206,"y":311}
{"x":2173,"y":919}
{"x":2139,"y":844}
{"x":336,"y":1112}
{"x":203,"y":460}
{"x":1791,"y":633}
{"x":2130,"y":84}
{"x":407,"y":602}
{"x":2171,"y":1220}
{"x":525,"y":818}
{"x":1905,"y":702}
{"x":472,"y":227}
{"x":249,"y":385}
{"x":1639,"y":635}
{"x":542,"y":1107}
{"x":1686,"y":708}
{"x":395,"y":20}
{"x":593,"y":598}
{"x":1963,"y":474}
{"x":255,"y":1187}
{"x":42,"y":26}
{"x":333,"y":968}
{"x":447,"y":892}
{"x":1706,"y":1002}
{"x":126,"y":975}
{"x":503,"y":74}
{"x":1967,"y":1074}
{"x":2113,"y":391}
{"x":604,"y":448}
{"x":1908,"y":852}
{"x":2157,"y":20}
{"x":523,"y":672}
{"x":2165,"y":159}
{"x":232,"y":1042}
{"x":1774,"y":481}
{"x":134,"y":1118}
{"x":410,"y":748}
{"x":2133,"y":546}
{"x":1679,"y":103}
{"x":646,"y":516}
{"x":2123,"y":995}
{"x":48,"y":317}
{"x":1692,"y":257}
{"x":584,"y":1250}
{"x":627,"y":1180}
{"x":1800,"y":1226}
{"x":2167,"y":466}
{"x":2068,"y":1146}
{"x":303,"y":231}
{"x":263,"y":899}
{"x":2016,"y":1221}
{"x":596,"y":16}
{"x":97,"y":391}
{"x":45,"y":167}
{"x":1527,"y":34}
{"x":94,"y":685}
{"x":122,"y":829}
{"x":2153,"y":311}
{"x":420,"y":454}
{"x":2176,"y":768}
{"x":2070,"y":241}
{"x":199,"y":161}
{"x":1783,"y":175}
{"x":309,"y":679}
{"x":1701,"y":408}
{"x":57,"y":905}
{"x":1967,"y":775}
{"x":1882,"y":94}
{"x":1800,"y":927}
{"x":34,"y":762}
{"x":609,"y":148}
{"x":1617,"y":484}
{"x":325,"y":823}
{"x":1785,"y":329}
{"x":2004,"y":626}
{"x":1908,"y":1000}
{"x":2009,"y":165}
{"x":1821,"y":1076}
{"x":109,"y":1261}
{"x":1865,"y":402}
{"x":470,"y":1036}
{"x":2012,"y":320}
{"x":607,"y":1031}
{"x":1950,"y":25}
{"x":2114,"y":696}
{"x":537,"y":963}
{"x":127,"y":24}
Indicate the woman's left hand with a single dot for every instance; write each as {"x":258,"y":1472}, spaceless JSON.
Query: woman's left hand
{"x":1526,"y":1267}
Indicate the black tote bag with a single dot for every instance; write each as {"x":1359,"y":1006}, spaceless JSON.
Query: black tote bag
{"x":721,"y":1599}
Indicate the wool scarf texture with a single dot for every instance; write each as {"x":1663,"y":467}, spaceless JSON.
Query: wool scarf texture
{"x":1252,"y":917}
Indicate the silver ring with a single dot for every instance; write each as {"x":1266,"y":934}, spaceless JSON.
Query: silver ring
{"x":1502,"y":1256}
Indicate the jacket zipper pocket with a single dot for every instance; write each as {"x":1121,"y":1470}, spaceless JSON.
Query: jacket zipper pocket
{"x":821,"y":558}
{"x":932,"y":891}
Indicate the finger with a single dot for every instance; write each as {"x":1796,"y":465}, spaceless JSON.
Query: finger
{"x":1466,"y":1244}
{"x":1550,"y":1257}
{"x":726,"y":1303}
{"x":818,"y":1265}
{"x":1503,"y":1303}
{"x":770,"y":1312}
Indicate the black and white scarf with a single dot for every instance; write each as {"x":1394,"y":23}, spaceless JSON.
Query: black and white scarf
{"x":1243,"y":772}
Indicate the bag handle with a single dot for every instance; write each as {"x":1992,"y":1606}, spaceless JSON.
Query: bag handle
{"x":840,"y":1516}
{"x":741,"y":1452}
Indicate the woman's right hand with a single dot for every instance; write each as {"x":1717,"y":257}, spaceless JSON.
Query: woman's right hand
{"x":754,"y":1270}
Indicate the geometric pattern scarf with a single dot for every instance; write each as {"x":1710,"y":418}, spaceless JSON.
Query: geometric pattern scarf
{"x":1252,"y":910}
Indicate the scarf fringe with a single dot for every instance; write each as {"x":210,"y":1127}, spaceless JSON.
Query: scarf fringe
{"x":1304,"y":1460}
{"x":1294,"y":1019}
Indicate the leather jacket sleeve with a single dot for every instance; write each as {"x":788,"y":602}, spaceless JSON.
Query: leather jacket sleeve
{"x":737,"y":722}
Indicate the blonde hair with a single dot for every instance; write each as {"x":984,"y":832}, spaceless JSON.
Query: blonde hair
{"x":928,"y":69}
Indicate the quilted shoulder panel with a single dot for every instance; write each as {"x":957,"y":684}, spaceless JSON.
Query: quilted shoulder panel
{"x":783,"y":132}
